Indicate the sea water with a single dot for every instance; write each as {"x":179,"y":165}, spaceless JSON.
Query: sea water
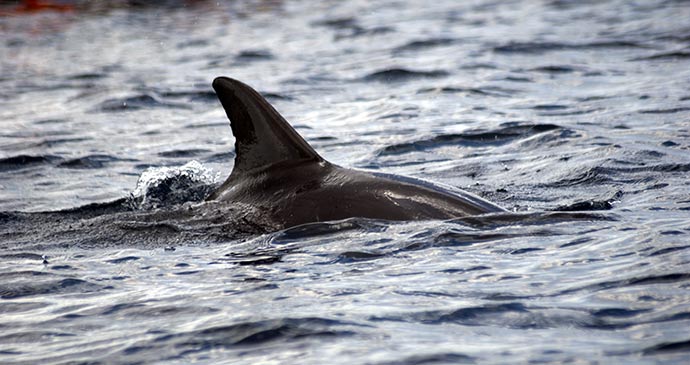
{"x":544,"y":107}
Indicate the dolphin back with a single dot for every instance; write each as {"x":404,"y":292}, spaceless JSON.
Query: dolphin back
{"x":280,"y":174}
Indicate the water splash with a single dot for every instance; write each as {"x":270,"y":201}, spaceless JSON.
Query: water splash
{"x":166,"y":186}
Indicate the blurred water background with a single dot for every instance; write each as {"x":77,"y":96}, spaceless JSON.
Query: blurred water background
{"x":535,"y":105}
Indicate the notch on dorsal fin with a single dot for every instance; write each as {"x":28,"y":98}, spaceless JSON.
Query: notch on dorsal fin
{"x":262,"y":136}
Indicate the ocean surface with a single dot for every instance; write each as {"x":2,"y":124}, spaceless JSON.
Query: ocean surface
{"x":573,"y":115}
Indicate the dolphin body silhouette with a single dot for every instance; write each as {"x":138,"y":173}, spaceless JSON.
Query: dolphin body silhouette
{"x":277,"y":172}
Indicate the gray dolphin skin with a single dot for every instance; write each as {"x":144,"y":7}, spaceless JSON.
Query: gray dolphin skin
{"x":277,"y":172}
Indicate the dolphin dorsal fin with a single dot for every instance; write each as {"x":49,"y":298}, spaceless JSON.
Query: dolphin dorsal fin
{"x":262,"y":136}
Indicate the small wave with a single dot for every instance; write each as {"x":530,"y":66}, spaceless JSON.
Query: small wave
{"x":193,"y":43}
{"x":666,"y":167}
{"x":348,"y":27}
{"x":489,"y":221}
{"x":479,"y":66}
{"x":96,"y":209}
{"x":19,"y":288}
{"x":402,"y":74}
{"x":598,"y":175}
{"x":590,"y":205}
{"x":32,"y":337}
{"x":192,"y":95}
{"x":549,"y":107}
{"x":520,"y":251}
{"x":254,"y":55}
{"x":221,"y":157}
{"x":64,"y":267}
{"x":669,"y":144}
{"x":309,"y":230}
{"x":486,"y":90}
{"x":462,"y":270}
{"x":469,"y":316}
{"x":455,"y":238}
{"x":664,"y":111}
{"x":25,"y":161}
{"x":336,"y":23}
{"x":666,"y":250}
{"x":518,"y":316}
{"x":358,"y":256}
{"x":517,"y":79}
{"x":88,"y":76}
{"x":149,"y":310}
{"x":51,"y":142}
{"x":206,"y":125}
{"x":250,"y":334}
{"x":471,"y":139}
{"x":260,"y":257}
{"x":242,"y":58}
{"x":144,"y":101}
{"x":22,"y":256}
{"x":576,"y":242}
{"x":635,"y":281}
{"x":561,"y":110}
{"x":678,"y":55}
{"x":436,"y":358}
{"x":360,"y":31}
{"x":193,"y":152}
{"x":666,"y":347}
{"x":570,"y":112}
{"x":90,"y":162}
{"x":50,"y":121}
{"x":121,"y":260}
{"x":658,"y":279}
{"x":556,"y":69}
{"x":543,"y":47}
{"x":593,"y":98}
{"x":618,"y":312}
{"x":424,"y":44}
{"x":594,"y":175}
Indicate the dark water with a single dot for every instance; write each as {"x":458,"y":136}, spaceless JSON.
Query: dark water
{"x":574,"y":115}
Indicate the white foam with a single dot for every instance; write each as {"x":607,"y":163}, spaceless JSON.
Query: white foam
{"x":164,"y":186}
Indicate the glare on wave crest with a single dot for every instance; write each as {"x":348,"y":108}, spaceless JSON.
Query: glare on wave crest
{"x":166,"y":186}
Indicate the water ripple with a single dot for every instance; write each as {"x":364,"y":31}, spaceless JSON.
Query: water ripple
{"x":393,"y":75}
{"x":543,"y":47}
{"x":495,"y":137}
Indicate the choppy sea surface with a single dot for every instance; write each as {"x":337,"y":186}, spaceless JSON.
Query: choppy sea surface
{"x":574,"y":115}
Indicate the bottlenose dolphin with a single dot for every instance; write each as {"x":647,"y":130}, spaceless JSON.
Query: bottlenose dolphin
{"x":277,"y":172}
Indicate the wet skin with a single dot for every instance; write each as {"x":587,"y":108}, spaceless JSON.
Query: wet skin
{"x":279,"y":173}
